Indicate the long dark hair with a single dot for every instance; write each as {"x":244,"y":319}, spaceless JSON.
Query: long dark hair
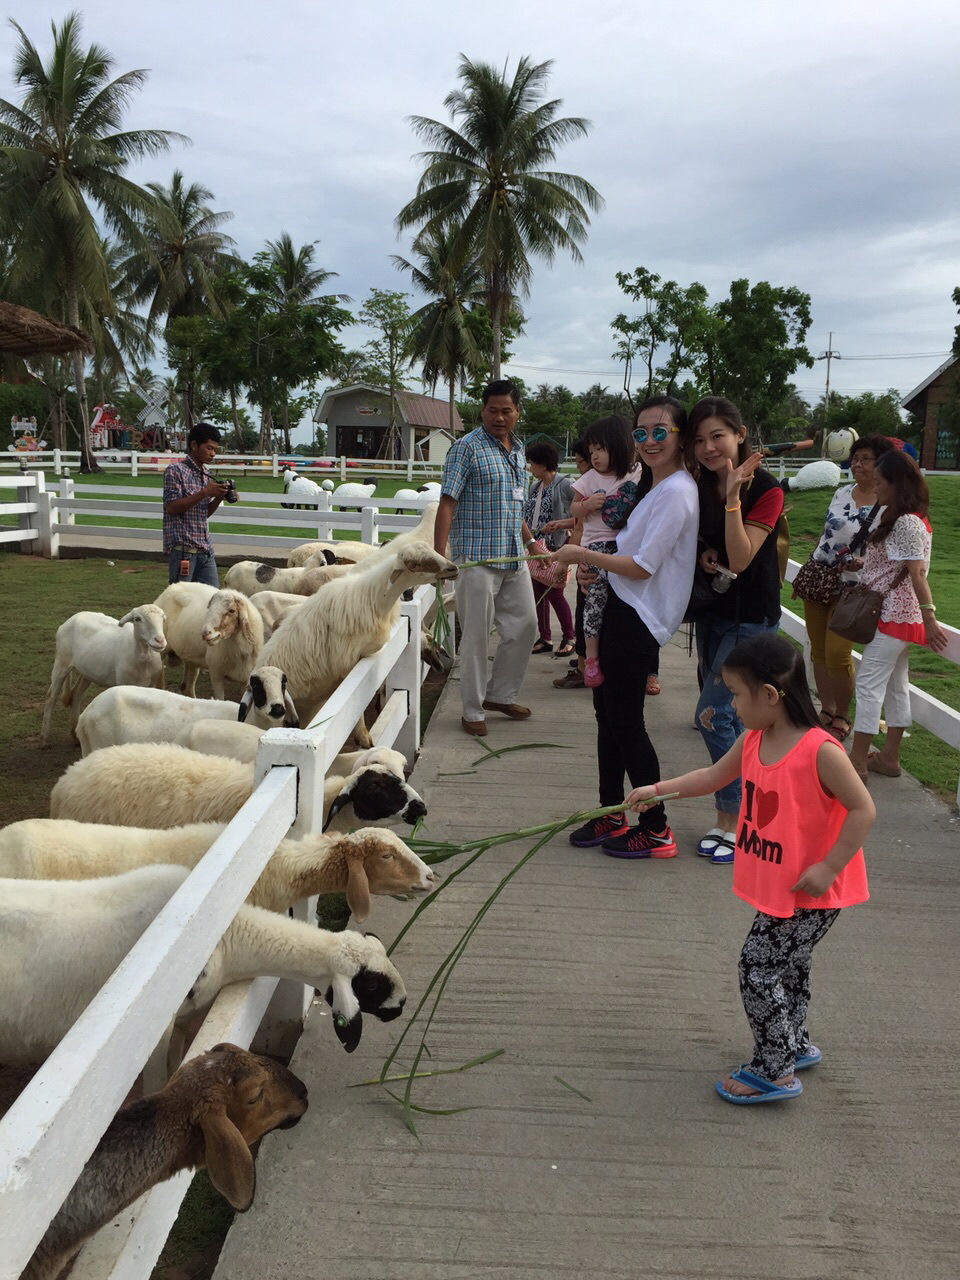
{"x":769,"y":659}
{"x":910,"y":492}
{"x":614,"y":435}
{"x":715,"y":407}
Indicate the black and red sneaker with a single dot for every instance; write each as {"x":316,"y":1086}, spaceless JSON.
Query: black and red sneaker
{"x":638,"y":842}
{"x":597,"y":830}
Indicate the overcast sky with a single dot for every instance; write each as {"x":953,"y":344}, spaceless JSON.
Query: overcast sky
{"x":807,"y":144}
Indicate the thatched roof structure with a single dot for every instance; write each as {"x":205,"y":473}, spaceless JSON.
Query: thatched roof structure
{"x":27,"y":333}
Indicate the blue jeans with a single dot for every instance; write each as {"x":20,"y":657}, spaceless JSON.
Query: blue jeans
{"x":203,"y":567}
{"x":717,"y":721}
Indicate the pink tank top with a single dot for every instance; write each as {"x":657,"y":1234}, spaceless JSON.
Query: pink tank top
{"x":786,"y":823}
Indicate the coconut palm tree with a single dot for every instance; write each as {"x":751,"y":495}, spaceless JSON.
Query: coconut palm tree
{"x":490,"y":179}
{"x":182,"y":253}
{"x":440,"y":335}
{"x":62,"y":158}
{"x":298,"y":279}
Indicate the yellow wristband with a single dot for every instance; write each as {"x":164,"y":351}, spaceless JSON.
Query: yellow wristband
{"x":736,"y":508}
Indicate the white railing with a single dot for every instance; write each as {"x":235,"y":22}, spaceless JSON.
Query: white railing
{"x":929,"y":712}
{"x":26,"y":504}
{"x":134,"y":463}
{"x":53,"y":1127}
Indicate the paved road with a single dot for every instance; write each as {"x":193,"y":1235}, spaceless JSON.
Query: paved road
{"x":620,"y":979}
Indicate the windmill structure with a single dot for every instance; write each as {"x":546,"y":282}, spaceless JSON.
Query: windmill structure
{"x":151,"y":418}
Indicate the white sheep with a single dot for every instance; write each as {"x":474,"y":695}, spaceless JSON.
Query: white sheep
{"x":316,"y":553}
{"x":208,"y":1115}
{"x":163,"y":785}
{"x":127,"y":714}
{"x":250,"y":576}
{"x":218,"y":630}
{"x":432,"y":490}
{"x":64,"y":938}
{"x":353,"y":493}
{"x":99,"y":650}
{"x":349,"y":619}
{"x":327,"y":485}
{"x":223,"y":738}
{"x":301,"y":491}
{"x":272,"y":605}
{"x":369,"y":861}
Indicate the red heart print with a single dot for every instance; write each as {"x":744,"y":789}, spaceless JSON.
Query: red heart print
{"x":768,"y":804}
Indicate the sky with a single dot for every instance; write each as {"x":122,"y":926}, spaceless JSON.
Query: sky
{"x":805,"y":144}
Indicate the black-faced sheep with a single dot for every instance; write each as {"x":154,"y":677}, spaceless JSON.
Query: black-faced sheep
{"x":208,"y":1115}
{"x":250,"y":576}
{"x":329,"y":553}
{"x":217,"y":630}
{"x":99,"y":650}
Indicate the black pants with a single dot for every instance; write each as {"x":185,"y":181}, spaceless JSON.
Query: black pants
{"x":627,"y":655}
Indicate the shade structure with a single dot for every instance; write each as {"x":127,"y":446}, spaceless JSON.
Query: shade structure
{"x":27,"y":333}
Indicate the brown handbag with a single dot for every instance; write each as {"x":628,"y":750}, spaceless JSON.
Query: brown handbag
{"x":816,"y":582}
{"x":857,"y":611}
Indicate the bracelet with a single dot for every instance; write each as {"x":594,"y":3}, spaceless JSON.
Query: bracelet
{"x":736,"y":508}
{"x":931,"y":607}
{"x":529,"y":544}
{"x":655,"y":791}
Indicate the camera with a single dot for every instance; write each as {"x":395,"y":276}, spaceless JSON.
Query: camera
{"x":231,"y":495}
{"x":722,"y":579}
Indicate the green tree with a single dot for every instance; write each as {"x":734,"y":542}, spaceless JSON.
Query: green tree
{"x":867,"y":414}
{"x":491,"y":180}
{"x":388,"y":312}
{"x":63,"y":153}
{"x":665,"y":336}
{"x":440,"y":334}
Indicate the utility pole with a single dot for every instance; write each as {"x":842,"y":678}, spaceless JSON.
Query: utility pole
{"x":827,"y":355}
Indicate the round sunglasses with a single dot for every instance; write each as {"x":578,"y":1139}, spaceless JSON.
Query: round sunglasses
{"x":657,"y":434}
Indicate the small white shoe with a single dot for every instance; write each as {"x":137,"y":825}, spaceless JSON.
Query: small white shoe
{"x":709,"y":842}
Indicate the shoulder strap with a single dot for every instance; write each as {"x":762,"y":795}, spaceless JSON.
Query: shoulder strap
{"x":859,"y":539}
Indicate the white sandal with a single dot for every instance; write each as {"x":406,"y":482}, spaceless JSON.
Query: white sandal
{"x":710,"y":841}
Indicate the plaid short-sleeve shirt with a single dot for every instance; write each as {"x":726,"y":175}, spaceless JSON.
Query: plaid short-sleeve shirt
{"x":189,"y":529}
{"x":488,"y":483}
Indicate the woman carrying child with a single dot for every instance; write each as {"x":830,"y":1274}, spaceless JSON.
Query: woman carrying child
{"x":803,"y":819}
{"x":650,"y":572}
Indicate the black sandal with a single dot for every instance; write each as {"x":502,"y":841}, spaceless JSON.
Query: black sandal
{"x":565,"y":650}
{"x":542,"y":646}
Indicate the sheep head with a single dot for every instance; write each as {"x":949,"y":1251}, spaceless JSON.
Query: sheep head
{"x":376,"y":793}
{"x":234,"y":1098}
{"x":378,"y":862}
{"x":227,"y":612}
{"x":364,"y":981}
{"x":418,"y":563}
{"x":267,"y":691}
{"x":148,"y":622}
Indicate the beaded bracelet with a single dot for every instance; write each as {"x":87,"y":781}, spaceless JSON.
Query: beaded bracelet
{"x":736,"y":508}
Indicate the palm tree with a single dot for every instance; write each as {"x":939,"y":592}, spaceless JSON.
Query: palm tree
{"x":120,"y":333}
{"x":182,"y":254}
{"x":62,"y":157}
{"x":489,"y":181}
{"x":440,"y":335}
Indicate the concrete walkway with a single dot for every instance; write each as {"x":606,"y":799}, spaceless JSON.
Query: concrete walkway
{"x":620,"y":979}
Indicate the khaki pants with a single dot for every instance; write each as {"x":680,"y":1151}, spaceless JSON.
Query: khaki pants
{"x":489,"y":599}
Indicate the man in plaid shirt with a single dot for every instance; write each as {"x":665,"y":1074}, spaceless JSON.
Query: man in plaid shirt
{"x":482,"y":492}
{"x":190,"y":497}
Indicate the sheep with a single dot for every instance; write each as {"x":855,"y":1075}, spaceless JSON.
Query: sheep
{"x":354,"y":494}
{"x":432,"y":490}
{"x":208,"y":1115}
{"x":301,"y":491}
{"x":219,"y":630}
{"x":147,"y":784}
{"x":369,"y":861}
{"x":271,"y":606}
{"x":127,"y":714}
{"x":330,"y":552}
{"x":100,"y":651}
{"x":349,"y":619}
{"x":64,"y":938}
{"x":250,"y":576}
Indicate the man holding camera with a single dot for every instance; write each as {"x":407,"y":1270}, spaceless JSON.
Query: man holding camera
{"x":190,"y":497}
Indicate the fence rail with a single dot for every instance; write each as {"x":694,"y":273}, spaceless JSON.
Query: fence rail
{"x":49,"y":1133}
{"x":135,"y":463}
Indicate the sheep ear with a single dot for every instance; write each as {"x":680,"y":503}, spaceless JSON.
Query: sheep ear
{"x":347,"y":1018}
{"x":246,"y":702}
{"x":358,"y":888}
{"x":127,"y":617}
{"x":329,"y":556}
{"x":292,"y":720}
{"x":341,"y":802}
{"x":245,"y":626}
{"x":228,"y":1159}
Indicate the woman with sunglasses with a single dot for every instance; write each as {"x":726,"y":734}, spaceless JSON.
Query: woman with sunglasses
{"x":740,"y":505}
{"x":650,"y":573}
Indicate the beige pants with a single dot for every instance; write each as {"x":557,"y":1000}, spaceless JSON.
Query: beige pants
{"x":489,"y":599}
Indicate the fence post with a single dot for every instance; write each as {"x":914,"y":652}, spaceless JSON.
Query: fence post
{"x":323,"y":526}
{"x":370,"y":525}
{"x":67,"y":492}
{"x":274,"y":465}
{"x":343,"y":468}
{"x":134,"y":459}
{"x":56,"y":462}
{"x":48,"y":543}
{"x":406,"y":676}
{"x":410,"y":468}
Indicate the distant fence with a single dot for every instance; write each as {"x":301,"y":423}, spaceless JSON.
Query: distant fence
{"x":135,"y":463}
{"x":53,"y":1127}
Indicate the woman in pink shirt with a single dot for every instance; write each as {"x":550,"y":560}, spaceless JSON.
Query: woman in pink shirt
{"x":804,"y":815}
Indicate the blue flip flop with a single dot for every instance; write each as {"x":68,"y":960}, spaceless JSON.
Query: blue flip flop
{"x":768,"y":1091}
{"x":808,"y":1059}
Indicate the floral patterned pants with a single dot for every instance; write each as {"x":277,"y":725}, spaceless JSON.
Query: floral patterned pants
{"x":775,"y":986}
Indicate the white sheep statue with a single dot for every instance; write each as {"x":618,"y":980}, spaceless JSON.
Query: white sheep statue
{"x":301,"y":491}
{"x":100,"y":650}
{"x":350,"y":619}
{"x":217,"y":630}
{"x":162,"y":785}
{"x":64,"y":938}
{"x":371,"y":861}
{"x":128,"y":714}
{"x":250,"y":576}
{"x":353,"y":493}
{"x":207,"y":1116}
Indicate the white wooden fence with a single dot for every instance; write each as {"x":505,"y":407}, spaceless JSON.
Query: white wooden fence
{"x":47,"y":1136}
{"x":131,"y":462}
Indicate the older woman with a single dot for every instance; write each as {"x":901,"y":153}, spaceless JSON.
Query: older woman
{"x":896,"y":562}
{"x":849,"y":509}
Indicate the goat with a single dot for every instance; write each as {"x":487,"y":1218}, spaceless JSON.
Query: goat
{"x":208,"y":1115}
{"x":99,"y":650}
{"x":369,"y":861}
{"x":218,"y":630}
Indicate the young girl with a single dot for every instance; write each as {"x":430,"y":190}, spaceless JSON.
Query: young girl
{"x":740,"y":505}
{"x":804,"y":817}
{"x":612,"y":461}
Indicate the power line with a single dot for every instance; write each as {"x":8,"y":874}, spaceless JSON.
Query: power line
{"x":618,"y":373}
